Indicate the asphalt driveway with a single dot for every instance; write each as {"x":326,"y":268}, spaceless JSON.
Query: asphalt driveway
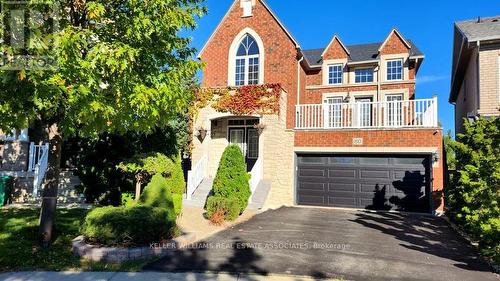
{"x":352,"y":245}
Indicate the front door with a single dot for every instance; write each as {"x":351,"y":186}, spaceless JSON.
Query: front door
{"x":248,"y":140}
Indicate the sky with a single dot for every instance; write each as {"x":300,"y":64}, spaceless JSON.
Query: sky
{"x":429,"y":24}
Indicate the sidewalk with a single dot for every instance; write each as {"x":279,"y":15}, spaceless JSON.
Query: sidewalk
{"x":142,"y":276}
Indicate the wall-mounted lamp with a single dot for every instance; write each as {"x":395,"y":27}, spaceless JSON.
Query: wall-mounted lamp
{"x":435,"y":156}
{"x":347,"y":98}
{"x":260,"y":128}
{"x":202,"y":133}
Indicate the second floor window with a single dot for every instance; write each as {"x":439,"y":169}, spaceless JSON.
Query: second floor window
{"x":363,"y":75}
{"x":395,"y":69}
{"x":247,"y":62}
{"x":335,"y":74}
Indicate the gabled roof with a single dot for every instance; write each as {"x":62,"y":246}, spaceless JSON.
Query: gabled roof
{"x":480,"y":29}
{"x":358,"y":53}
{"x":394,"y":31}
{"x":297,"y":45}
{"x":466,"y":34}
{"x":335,"y":37}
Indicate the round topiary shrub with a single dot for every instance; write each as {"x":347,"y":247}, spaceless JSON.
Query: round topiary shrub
{"x":151,"y":220}
{"x":128,"y":226}
{"x":231,"y":180}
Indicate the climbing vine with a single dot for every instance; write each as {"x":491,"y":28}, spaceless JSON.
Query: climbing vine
{"x":245,"y":100}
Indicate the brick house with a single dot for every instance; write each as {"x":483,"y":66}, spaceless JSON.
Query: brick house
{"x":350,"y":132}
{"x":475,"y":86}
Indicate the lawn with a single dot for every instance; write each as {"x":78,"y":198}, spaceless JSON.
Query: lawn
{"x":19,"y":250}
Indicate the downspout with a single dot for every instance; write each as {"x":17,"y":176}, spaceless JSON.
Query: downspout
{"x":477,"y":98}
{"x":298,"y":79}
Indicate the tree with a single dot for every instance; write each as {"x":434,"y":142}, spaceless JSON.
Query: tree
{"x":474,"y":195}
{"x":120,"y":66}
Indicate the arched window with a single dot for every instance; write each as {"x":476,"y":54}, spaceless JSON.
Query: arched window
{"x":247,"y":62}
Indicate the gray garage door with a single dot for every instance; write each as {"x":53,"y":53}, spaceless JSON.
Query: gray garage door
{"x":377,"y":182}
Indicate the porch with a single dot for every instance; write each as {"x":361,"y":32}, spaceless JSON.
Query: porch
{"x":211,"y":138}
{"x":336,"y":114}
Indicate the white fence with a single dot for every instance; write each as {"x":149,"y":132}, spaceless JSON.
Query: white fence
{"x":196,"y":176}
{"x":38,"y":163}
{"x":386,"y":114}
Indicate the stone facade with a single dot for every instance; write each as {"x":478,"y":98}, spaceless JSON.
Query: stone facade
{"x":14,"y":156}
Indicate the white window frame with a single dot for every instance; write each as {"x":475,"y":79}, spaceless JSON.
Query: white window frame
{"x":233,"y":49}
{"x":387,"y":69}
{"x":333,"y":111}
{"x":329,"y":78}
{"x":363,"y":68}
{"x":394,"y":111}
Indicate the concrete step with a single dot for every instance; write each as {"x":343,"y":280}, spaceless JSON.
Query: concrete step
{"x":260,"y":195}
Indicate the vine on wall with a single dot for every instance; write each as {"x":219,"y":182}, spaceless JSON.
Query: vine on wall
{"x":245,"y":100}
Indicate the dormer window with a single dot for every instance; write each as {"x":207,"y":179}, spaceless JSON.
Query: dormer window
{"x":395,"y":69}
{"x":247,"y":62}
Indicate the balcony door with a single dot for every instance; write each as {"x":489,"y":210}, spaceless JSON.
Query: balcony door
{"x":333,"y":112}
{"x":363,"y":112}
{"x":394,"y":112}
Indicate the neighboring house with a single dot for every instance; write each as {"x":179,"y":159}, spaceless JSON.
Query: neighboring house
{"x":350,"y":132}
{"x":475,"y":80}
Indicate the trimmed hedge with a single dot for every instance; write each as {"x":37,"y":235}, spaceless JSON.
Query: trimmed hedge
{"x":231,"y":180}
{"x":136,"y":225}
{"x":151,"y":220}
{"x":227,"y":206}
{"x":177,"y":199}
{"x":175,"y":180}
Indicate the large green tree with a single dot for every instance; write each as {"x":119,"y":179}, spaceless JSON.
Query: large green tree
{"x":121,"y":65}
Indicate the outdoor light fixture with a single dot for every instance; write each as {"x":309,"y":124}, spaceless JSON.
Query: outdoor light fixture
{"x":202,"y":133}
{"x":435,"y":156}
{"x":260,"y":128}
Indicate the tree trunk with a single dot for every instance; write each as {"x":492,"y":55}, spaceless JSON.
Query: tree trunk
{"x":137,"y":190}
{"x":50,"y":184}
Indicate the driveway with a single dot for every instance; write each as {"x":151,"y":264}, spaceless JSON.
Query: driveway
{"x":345,"y":244}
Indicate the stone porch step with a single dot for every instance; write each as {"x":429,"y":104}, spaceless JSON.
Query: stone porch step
{"x":200,"y":195}
{"x":259,"y":197}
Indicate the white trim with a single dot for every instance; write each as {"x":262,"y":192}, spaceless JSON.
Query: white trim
{"x":341,"y":44}
{"x":227,"y":15}
{"x":326,"y":70}
{"x":395,"y":31}
{"x":233,"y":49}
{"x":386,"y":61}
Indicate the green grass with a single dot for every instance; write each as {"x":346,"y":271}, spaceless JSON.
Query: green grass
{"x":19,"y":250}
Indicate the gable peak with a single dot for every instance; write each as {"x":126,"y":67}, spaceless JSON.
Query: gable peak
{"x":336,"y":38}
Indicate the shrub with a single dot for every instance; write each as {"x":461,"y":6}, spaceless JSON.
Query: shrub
{"x":127,"y":226}
{"x":231,"y":180}
{"x":177,"y":199}
{"x":227,"y":207}
{"x":128,"y":199}
{"x":157,"y":194}
{"x":474,"y":197}
{"x":175,"y":178}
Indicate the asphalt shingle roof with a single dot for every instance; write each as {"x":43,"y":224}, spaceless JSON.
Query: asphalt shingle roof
{"x":360,"y":52}
{"x":485,"y":29}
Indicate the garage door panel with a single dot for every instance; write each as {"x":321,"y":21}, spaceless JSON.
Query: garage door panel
{"x":372,"y":174}
{"x":388,"y":183}
{"x":309,"y":172}
{"x":315,"y":186}
{"x":342,"y":187}
{"x":350,"y":174}
{"x":312,"y":200}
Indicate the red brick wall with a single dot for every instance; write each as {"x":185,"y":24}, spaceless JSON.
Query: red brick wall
{"x":335,"y":51}
{"x":382,"y":138}
{"x":394,"y":46}
{"x":280,"y":52}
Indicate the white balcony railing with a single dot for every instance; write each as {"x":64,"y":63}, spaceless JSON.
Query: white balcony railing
{"x":363,"y":115}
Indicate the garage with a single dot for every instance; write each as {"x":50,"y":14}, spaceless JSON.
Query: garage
{"x":375,"y":182}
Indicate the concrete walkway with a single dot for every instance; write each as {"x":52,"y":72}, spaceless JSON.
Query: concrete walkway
{"x":142,"y":276}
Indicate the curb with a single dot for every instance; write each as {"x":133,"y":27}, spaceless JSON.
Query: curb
{"x":120,"y":255}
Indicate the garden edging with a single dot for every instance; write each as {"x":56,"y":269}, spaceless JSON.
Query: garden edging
{"x":119,"y":255}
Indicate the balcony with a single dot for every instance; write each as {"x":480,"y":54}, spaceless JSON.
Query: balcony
{"x":420,"y":113}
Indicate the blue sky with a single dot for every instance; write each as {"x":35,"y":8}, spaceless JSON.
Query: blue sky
{"x":429,"y":24}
